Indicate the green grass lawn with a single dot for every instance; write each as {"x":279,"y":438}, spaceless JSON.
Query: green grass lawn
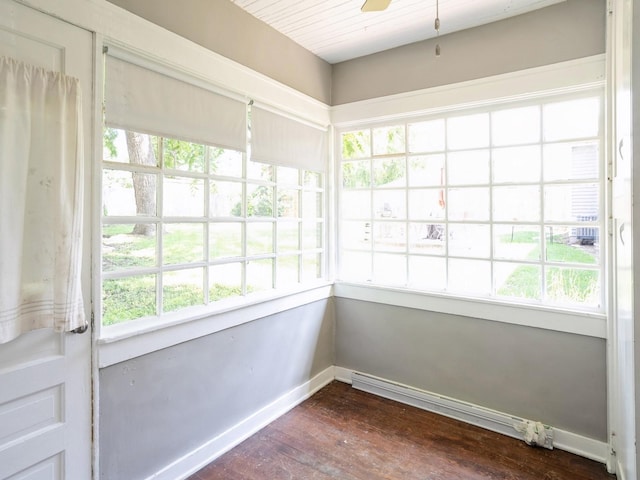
{"x":132,"y":297}
{"x":563,"y":284}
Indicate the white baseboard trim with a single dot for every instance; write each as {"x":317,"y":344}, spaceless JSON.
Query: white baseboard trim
{"x":343,"y":374}
{"x":205,"y":454}
{"x":467,"y":412}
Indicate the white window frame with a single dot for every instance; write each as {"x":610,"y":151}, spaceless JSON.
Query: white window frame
{"x":573,"y":77}
{"x":134,"y":338}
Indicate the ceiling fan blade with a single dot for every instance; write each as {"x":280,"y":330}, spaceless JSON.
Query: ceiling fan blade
{"x":375,"y":5}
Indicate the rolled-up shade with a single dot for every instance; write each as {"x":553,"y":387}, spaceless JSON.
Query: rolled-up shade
{"x":143,"y":100}
{"x":280,"y":140}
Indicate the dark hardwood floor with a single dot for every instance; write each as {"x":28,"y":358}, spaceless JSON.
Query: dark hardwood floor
{"x":343,"y":433}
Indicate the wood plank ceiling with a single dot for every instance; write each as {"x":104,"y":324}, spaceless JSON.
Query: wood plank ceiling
{"x":336,"y":30}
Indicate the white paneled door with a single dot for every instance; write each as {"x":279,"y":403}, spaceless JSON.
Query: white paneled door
{"x":624,"y":305}
{"x":45,"y":377}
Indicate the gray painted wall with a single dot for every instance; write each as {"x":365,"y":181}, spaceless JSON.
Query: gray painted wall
{"x":225,"y":28}
{"x":158,"y":407}
{"x":565,"y":31}
{"x":557,"y":378}
{"x":635,"y":159}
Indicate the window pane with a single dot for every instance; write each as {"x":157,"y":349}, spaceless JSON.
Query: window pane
{"x":114,"y":146}
{"x":516,"y":164}
{"x":468,"y":240}
{"x":119,"y":190}
{"x":259,"y":201}
{"x":355,"y":204}
{"x":259,"y":238}
{"x":288,"y":203}
{"x":518,"y":280}
{"x":312,"y":179}
{"x":225,"y":281}
{"x":427,"y":171}
{"x":516,"y":204}
{"x":182,"y":155}
{"x":389,"y":172}
{"x":356,"y":174}
{"x":468,"y":204}
{"x":468,"y":168}
{"x":515,"y":126}
{"x":311,"y":267}
{"x":428,"y":273}
{"x":356,"y":144}
{"x":469,"y":276}
{"x":130,"y":147}
{"x":572,"y":202}
{"x":182,"y":243}
{"x":516,"y":242}
{"x":571,"y":119}
{"x":182,"y":288}
{"x":566,"y":161}
{"x":566,"y":244}
{"x":225,"y":240}
{"x":573,"y":286}
{"x":288,"y":176}
{"x":288,"y":236}
{"x":355,"y":266}
{"x":390,"y":236}
{"x":124,"y":249}
{"x":355,"y":235}
{"x":259,"y":171}
{"x":426,"y":204}
{"x":388,"y":140}
{"x":183,"y":197}
{"x":426,"y":136}
{"x":223,"y":162}
{"x":128,"y":298}
{"x":287,"y":273}
{"x":389,"y":269}
{"x":390,"y":204}
{"x":469,"y":131}
{"x":260,"y":275}
{"x":312,"y":204}
{"x":429,"y":238}
{"x":225,"y":199}
{"x":311,"y":235}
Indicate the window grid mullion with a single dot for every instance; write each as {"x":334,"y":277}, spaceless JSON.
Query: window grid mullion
{"x":542,"y":228}
{"x":533,"y":289}
{"x":160,"y":228}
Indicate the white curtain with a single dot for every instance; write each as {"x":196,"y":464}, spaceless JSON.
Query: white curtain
{"x":41,"y":172}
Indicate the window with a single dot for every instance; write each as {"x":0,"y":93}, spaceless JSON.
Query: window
{"x":188,"y":217}
{"x":501,"y":202}
{"x":186,"y":224}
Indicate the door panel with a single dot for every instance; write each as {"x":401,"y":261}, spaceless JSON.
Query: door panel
{"x":45,"y":377}
{"x":622,"y":382}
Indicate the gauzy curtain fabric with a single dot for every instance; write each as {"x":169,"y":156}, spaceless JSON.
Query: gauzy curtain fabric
{"x":41,"y":175}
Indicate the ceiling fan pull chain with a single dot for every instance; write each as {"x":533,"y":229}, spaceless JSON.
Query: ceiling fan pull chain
{"x":437,"y":27}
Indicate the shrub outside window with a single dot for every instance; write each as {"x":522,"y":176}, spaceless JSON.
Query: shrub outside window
{"x":502,"y":202}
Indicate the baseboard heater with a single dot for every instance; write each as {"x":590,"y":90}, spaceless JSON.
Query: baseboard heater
{"x":467,"y":412}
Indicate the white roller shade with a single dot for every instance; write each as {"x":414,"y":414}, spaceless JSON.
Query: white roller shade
{"x":143,"y":100}
{"x":280,"y":140}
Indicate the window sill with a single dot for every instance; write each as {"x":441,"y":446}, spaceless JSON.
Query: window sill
{"x":580,"y":323}
{"x":133,"y":339}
